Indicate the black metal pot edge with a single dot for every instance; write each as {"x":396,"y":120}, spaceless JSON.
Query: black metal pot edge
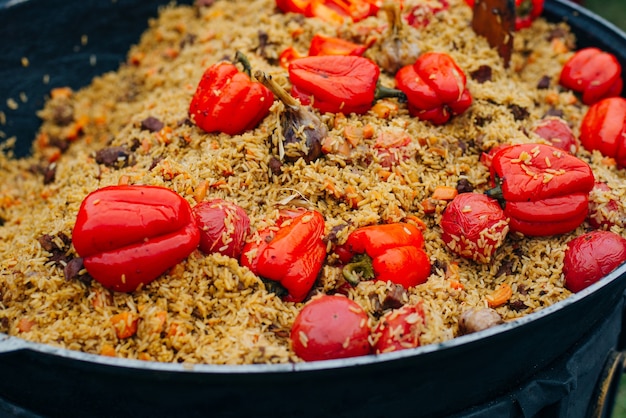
{"x":11,"y":345}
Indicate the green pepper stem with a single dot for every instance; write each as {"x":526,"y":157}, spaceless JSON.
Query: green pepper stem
{"x":359,"y":268}
{"x":383,"y":92}
{"x":496,"y":192}
{"x":241,"y":58}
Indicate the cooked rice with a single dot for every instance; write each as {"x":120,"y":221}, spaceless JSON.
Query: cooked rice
{"x":209,"y":309}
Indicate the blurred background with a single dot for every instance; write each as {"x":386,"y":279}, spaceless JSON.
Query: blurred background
{"x":615,"y":12}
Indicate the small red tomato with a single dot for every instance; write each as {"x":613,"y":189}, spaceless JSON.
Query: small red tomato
{"x":590,"y":257}
{"x":419,"y":15}
{"x":604,"y":208}
{"x":474,"y":226}
{"x":223,"y":226}
{"x":399,"y":329}
{"x":330,"y":327}
{"x":604,"y":129}
{"x":558,"y":133}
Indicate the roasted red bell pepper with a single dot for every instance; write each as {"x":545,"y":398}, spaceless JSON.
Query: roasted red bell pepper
{"x":604,"y":129}
{"x":293,"y":255}
{"x":590,"y":257}
{"x":130,"y":235}
{"x":435,"y":88}
{"x":227,"y":100}
{"x":332,"y":11}
{"x":544,"y":189}
{"x":526,"y":11}
{"x":558,"y":133}
{"x":389,"y":252}
{"x":474,"y":226}
{"x":337,"y":83}
{"x":329,"y":45}
{"x":593,"y":73}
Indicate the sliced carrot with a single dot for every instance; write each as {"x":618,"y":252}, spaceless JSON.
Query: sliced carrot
{"x":353,"y":134}
{"x":609,"y":162}
{"x":61,"y":92}
{"x":107,"y":350}
{"x":124,"y":180}
{"x":429,"y":206}
{"x":25,"y":324}
{"x":125,"y":324}
{"x":352,"y":197}
{"x":201,"y":191}
{"x":384,"y":174}
{"x":384,"y":109}
{"x":445,"y":193}
{"x":418,"y":222}
{"x":499,"y":296}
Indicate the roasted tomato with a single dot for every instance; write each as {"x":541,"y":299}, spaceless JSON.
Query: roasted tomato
{"x":330,"y":327}
{"x":399,"y":329}
{"x":590,"y":257}
{"x":223,"y":225}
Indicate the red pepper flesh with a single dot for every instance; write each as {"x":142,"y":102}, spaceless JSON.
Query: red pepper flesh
{"x":604,"y":129}
{"x":395,"y":252}
{"x":594,"y":73}
{"x":130,"y":235}
{"x":227,"y":100}
{"x":335,"y":83}
{"x":435,"y":88}
{"x":545,"y":189}
{"x":293,"y":255}
{"x":223,"y":226}
{"x":328,"y":45}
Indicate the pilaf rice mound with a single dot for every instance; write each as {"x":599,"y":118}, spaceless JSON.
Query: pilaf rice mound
{"x":209,"y":309}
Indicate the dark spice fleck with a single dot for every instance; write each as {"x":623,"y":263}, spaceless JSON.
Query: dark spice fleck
{"x":506,"y":268}
{"x":62,"y":114}
{"x":395,"y":297}
{"x":519,"y":113}
{"x":332,"y":235}
{"x":49,"y":173}
{"x":554,"y":112}
{"x":483,"y":74}
{"x":275,"y":166}
{"x":151,"y":124}
{"x":544,"y":83}
{"x":517,"y":305}
{"x":464,"y":186}
{"x":481,"y":121}
{"x":116,"y":157}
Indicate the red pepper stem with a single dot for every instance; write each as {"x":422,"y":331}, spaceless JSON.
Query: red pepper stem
{"x":243,"y":60}
{"x":495,"y":193}
{"x":383,"y":92}
{"x":359,"y":268}
{"x":278,"y":91}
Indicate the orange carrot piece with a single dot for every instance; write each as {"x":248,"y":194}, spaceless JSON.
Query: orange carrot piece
{"x":107,"y":350}
{"x":125,"y":324}
{"x":25,"y":324}
{"x":429,"y":206}
{"x":61,"y":92}
{"x":445,"y":193}
{"x":499,"y":296}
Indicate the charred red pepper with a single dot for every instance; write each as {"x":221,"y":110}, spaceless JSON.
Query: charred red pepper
{"x":399,"y":329}
{"x":130,"y":235}
{"x":590,"y":257}
{"x":328,"y":45}
{"x":474,"y":226}
{"x":227,"y":100}
{"x":223,"y":226}
{"x":337,"y":83}
{"x":293,"y":255}
{"x":604,"y":129}
{"x":593,"y":73}
{"x":544,"y":189}
{"x":330,"y":327}
{"x":333,"y":11}
{"x":526,"y":11}
{"x":390,"y":252}
{"x":435,"y":88}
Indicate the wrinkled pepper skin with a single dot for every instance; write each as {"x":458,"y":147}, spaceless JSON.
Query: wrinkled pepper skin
{"x":227,"y":100}
{"x":292,"y":256}
{"x":435,"y":88}
{"x":604,"y":129}
{"x":130,"y":235}
{"x":590,"y":257}
{"x":593,"y":73}
{"x":545,"y":190}
{"x":335,"y":83}
{"x":389,"y":252}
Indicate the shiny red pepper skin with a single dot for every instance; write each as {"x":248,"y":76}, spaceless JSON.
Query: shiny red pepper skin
{"x":330,"y":327}
{"x":293,"y":255}
{"x":526,"y":11}
{"x":592,"y":256}
{"x":130,"y":235}
{"x":332,"y":11}
{"x":593,"y":73}
{"x":545,"y":190}
{"x":395,"y":252}
{"x":604,"y":129}
{"x":435,"y":88}
{"x":328,"y":45}
{"x":335,"y":83}
{"x":227,"y":100}
{"x":223,"y":226}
